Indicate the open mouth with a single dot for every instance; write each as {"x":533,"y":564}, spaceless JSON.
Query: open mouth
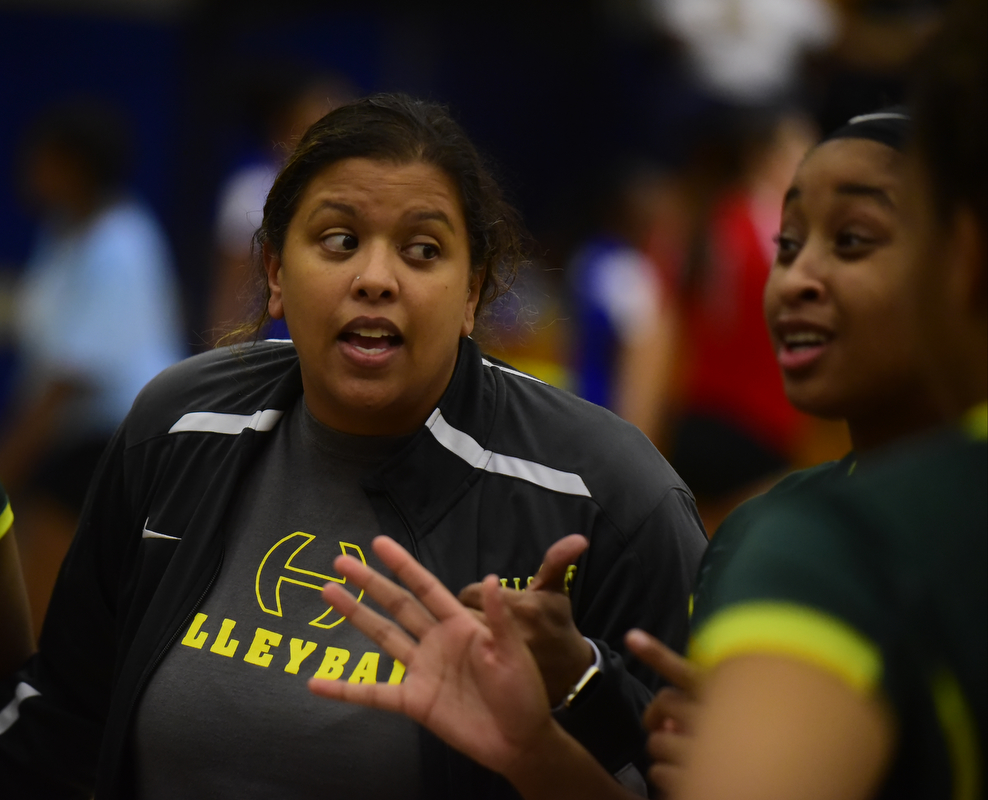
{"x":804,"y":340}
{"x":801,"y":345}
{"x":371,"y":340}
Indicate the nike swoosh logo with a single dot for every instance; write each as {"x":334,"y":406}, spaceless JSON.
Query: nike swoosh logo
{"x":146,"y":534}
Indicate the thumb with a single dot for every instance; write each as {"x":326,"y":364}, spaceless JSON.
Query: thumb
{"x":552,"y":574}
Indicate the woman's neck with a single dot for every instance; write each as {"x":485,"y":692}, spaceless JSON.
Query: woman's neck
{"x":889,"y":424}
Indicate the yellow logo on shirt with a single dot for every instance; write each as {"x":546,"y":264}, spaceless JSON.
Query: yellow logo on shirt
{"x":277,"y":568}
{"x":264,"y":649}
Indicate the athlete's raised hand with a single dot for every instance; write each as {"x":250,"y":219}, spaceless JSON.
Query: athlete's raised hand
{"x":472,"y":682}
{"x":545,"y":618}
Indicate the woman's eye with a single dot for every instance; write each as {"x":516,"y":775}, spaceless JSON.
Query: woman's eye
{"x":851,"y":244}
{"x":423,"y":251}
{"x":786,"y":248}
{"x":340,"y":242}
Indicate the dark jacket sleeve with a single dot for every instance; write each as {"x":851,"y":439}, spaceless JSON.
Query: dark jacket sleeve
{"x":52,"y":711}
{"x":645,"y":583}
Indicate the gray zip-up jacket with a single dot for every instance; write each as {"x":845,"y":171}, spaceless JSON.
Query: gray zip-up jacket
{"x":505,"y":466}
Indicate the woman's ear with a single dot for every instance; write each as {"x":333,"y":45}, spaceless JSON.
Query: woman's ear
{"x":473,"y":297}
{"x":272,"y":266}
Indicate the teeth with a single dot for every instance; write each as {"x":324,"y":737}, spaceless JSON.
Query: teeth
{"x":373,"y":333}
{"x":803,"y":339}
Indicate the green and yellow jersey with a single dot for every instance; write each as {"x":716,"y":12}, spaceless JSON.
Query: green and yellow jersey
{"x":882,"y":582}
{"x":707,"y":598}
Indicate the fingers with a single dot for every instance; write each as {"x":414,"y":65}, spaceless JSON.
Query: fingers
{"x":670,"y":753}
{"x":671,"y":709}
{"x":508,"y":641}
{"x":399,"y":603}
{"x":471,"y":596}
{"x":496,"y":613}
{"x":388,"y":635}
{"x":373,"y":695}
{"x":420,"y":582}
{"x":551,"y":576}
{"x":666,"y":747}
{"x":667,"y":778}
{"x":669,"y":664}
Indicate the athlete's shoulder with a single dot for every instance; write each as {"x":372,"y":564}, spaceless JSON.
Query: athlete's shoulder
{"x":931,"y":485}
{"x":793,"y":485}
{"x":235,"y":380}
{"x":796,"y":487}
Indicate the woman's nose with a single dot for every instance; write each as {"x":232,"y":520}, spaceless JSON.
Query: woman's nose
{"x":802,"y":281}
{"x":376,"y":277}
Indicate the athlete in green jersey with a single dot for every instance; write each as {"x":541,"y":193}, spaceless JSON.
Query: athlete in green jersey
{"x":847,"y":654}
{"x":886,"y":592}
{"x":835,"y":307}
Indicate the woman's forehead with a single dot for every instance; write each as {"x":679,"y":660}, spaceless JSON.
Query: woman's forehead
{"x":840,"y":163}
{"x":849,"y":155}
{"x":366,"y":182}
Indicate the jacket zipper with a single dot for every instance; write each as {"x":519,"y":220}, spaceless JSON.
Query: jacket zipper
{"x":408,"y":529}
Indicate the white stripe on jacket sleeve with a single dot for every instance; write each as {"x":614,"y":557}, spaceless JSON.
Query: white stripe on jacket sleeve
{"x":12,"y":711}
{"x":467,"y":448}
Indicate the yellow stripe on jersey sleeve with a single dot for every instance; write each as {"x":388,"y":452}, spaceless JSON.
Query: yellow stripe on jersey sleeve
{"x":6,"y":519}
{"x":976,"y":422}
{"x":960,"y":733}
{"x":790,"y":630}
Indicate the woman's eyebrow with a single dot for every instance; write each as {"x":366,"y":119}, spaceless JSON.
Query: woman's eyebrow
{"x":861,"y":190}
{"x":343,"y":208}
{"x":792,"y":194}
{"x":434,"y":214}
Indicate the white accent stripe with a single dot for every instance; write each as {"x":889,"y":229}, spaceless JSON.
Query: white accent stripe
{"x":147,"y":534}
{"x":12,"y":711}
{"x":210,"y":422}
{"x":875,"y":116}
{"x":510,"y":371}
{"x":467,"y":448}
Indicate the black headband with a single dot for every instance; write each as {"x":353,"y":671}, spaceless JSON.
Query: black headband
{"x":890,"y":126}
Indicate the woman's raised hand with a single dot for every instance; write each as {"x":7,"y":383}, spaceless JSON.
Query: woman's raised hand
{"x":475,"y":685}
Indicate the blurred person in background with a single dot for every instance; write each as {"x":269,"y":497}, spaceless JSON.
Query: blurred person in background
{"x":748,"y":53}
{"x":735,"y":432}
{"x":620,"y":333}
{"x":282,"y":103}
{"x":97,"y":316}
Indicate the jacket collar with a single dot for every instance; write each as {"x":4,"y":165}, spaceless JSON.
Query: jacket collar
{"x":426,"y":477}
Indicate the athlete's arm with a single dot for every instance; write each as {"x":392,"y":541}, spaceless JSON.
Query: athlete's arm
{"x":774,"y":728}
{"x":475,"y":685}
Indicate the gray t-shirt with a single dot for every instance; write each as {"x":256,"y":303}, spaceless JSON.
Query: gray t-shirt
{"x":228,"y":713}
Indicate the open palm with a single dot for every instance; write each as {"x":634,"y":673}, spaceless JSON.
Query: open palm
{"x":475,"y":685}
